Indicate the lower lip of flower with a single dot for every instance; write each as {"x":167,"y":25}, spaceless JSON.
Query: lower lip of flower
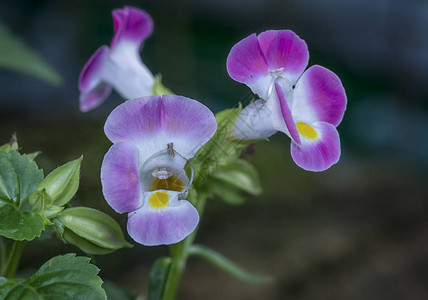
{"x":306,"y":130}
{"x":159,"y":200}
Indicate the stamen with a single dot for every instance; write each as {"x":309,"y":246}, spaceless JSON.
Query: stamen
{"x":162,"y":173}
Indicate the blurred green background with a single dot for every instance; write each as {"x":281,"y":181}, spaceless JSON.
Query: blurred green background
{"x":356,"y":231}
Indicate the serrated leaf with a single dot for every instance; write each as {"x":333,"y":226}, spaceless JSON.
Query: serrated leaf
{"x":12,"y":145}
{"x":62,"y":183}
{"x":15,"y":55}
{"x":64,"y":277}
{"x":19,"y":225}
{"x":19,"y":177}
{"x":93,"y":226}
{"x":240,"y":174}
{"x":223,"y":263}
{"x":158,"y":278}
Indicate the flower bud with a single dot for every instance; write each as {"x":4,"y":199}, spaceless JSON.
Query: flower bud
{"x":91,"y":230}
{"x":62,"y":183}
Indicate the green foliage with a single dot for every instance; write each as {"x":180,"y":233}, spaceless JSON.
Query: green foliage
{"x":19,"y":177}
{"x":91,"y":230}
{"x":18,"y":57}
{"x":115,"y":292}
{"x":62,"y":183}
{"x":225,"y":192}
{"x":240,"y":174}
{"x":221,"y":262}
{"x":61,"y":278}
{"x":12,"y":145}
{"x":159,"y":88}
{"x":158,"y":278}
{"x":19,"y":225}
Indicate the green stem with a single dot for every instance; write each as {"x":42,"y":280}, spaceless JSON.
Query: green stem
{"x":13,"y":259}
{"x":179,"y":253}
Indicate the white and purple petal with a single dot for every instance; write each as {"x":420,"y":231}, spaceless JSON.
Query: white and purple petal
{"x":317,"y":153}
{"x":283,"y":49}
{"x":319,"y":96}
{"x":120,"y":178}
{"x":91,"y":77}
{"x":131,"y":25}
{"x":153,"y":122}
{"x":163,"y":226}
{"x":247,"y":64}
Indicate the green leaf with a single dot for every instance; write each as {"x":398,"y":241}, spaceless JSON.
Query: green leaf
{"x":225,"y":192}
{"x":158,"y":88}
{"x":116,"y":292}
{"x":62,"y":183}
{"x":12,"y":145}
{"x":92,"y":226}
{"x":19,"y":225}
{"x":158,"y":277}
{"x":19,"y":177}
{"x":221,"y":262}
{"x":240,"y":174}
{"x":16,"y":56}
{"x":64,"y":277}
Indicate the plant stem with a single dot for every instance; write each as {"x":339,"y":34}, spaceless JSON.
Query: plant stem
{"x":179,"y":253}
{"x":13,"y":259}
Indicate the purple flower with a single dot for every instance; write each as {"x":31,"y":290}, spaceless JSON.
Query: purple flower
{"x":118,"y":66}
{"x":305,"y":105}
{"x":143,"y":173}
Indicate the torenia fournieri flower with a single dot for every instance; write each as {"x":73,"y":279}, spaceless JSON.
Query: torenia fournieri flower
{"x":305,"y":105}
{"x":118,"y":66}
{"x":144,"y":174}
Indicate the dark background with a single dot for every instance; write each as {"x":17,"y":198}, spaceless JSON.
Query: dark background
{"x":356,"y":231}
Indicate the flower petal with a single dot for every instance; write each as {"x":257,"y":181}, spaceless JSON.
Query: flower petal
{"x":156,"y":121}
{"x":320,"y":148}
{"x":120,"y":178}
{"x":285,"y":49}
{"x":152,"y":226}
{"x":90,"y":77}
{"x":132,"y":25}
{"x":247,"y":64}
{"x":319,"y":96}
{"x":95,"y":97}
{"x":286,"y":114}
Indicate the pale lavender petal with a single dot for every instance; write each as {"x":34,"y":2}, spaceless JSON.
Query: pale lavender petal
{"x":120,"y":178}
{"x":132,"y":25}
{"x":319,"y":96}
{"x":320,"y":153}
{"x":94,"y":97}
{"x":155,"y":121}
{"x":284,"y":49}
{"x":286,"y":114}
{"x":91,"y":75}
{"x":247,"y":64}
{"x":169,"y":225}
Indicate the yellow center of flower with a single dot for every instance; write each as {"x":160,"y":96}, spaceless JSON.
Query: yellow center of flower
{"x":159,"y":199}
{"x":172,"y":183}
{"x":306,"y":130}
